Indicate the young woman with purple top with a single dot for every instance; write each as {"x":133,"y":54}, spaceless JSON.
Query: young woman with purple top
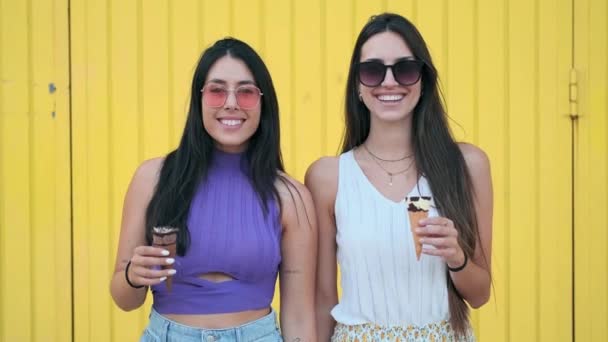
{"x":404,"y":210}
{"x":240,"y":220}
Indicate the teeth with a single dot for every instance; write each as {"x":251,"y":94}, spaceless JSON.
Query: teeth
{"x":393,"y":97}
{"x":231,"y":122}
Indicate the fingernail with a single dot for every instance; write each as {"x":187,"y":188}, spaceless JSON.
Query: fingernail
{"x":164,"y":252}
{"x":418,"y":230}
{"x":171,"y":271}
{"x":169,"y":261}
{"x":422,"y":240}
{"x":163,"y":279}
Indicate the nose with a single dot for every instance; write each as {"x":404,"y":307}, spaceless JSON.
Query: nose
{"x":230,"y":101}
{"x":389,"y":78}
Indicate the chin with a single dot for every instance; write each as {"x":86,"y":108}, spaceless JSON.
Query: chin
{"x":393,"y":116}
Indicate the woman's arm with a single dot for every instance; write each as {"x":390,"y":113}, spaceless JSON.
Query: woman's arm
{"x":322,"y":180}
{"x":473,"y":282}
{"x":132,"y":243}
{"x":297,"y":271}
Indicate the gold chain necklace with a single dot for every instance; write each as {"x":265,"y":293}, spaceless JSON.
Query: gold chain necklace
{"x":386,"y":160}
{"x":390,"y":174}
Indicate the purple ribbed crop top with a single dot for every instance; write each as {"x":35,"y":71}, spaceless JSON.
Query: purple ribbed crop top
{"x":228,"y":234}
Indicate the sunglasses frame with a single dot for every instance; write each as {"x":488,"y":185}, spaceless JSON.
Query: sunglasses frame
{"x":417,"y":62}
{"x":233,"y":91}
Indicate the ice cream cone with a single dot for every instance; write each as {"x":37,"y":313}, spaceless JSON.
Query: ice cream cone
{"x":166,"y":238}
{"x":416,"y":216}
{"x":417,"y":209}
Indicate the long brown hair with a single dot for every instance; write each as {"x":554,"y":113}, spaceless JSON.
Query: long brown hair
{"x":437,"y":154}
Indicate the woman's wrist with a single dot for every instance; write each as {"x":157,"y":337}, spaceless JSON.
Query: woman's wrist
{"x":127,"y":277}
{"x":459,"y":266}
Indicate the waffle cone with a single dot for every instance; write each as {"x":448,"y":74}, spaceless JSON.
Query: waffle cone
{"x":416,"y":216}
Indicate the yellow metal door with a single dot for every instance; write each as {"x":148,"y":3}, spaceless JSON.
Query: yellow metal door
{"x":504,"y":66}
{"x":590,"y":106}
{"x":35,"y":228}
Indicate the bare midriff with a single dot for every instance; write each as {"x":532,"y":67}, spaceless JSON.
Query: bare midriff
{"x":219,"y":321}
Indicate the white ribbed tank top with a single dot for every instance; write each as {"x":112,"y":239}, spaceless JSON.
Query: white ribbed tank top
{"x":382,"y":282}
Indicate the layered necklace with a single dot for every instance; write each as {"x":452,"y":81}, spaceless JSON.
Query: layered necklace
{"x":390,"y":175}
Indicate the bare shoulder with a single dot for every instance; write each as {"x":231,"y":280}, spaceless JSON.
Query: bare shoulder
{"x":323,"y":171}
{"x":145,"y":178}
{"x":149,"y":170}
{"x":478,"y":165}
{"x":477,"y":160}
{"x":287,"y":184}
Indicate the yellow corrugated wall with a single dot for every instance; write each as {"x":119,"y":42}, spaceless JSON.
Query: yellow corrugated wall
{"x":35,"y":228}
{"x":505,"y":67}
{"x":591,"y":170}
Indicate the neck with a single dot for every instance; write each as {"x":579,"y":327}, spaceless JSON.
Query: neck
{"x":390,"y":140}
{"x":225,"y":159}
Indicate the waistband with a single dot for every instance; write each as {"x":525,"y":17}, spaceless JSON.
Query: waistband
{"x":437,"y":331}
{"x":162,"y":327}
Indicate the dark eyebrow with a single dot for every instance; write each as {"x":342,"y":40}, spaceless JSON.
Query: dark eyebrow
{"x":217,"y":80}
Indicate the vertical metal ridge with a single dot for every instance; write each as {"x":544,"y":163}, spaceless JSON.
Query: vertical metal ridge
{"x":231,"y":15}
{"x":507,"y":174}
{"x":200,"y":22}
{"x":292,"y":87}
{"x":71,"y":170}
{"x":31,"y":116}
{"x":170,"y":76}
{"x":606,"y":128}
{"x":109,"y":142}
{"x":262,"y":29}
{"x":323,"y":79}
{"x":141,"y":129}
{"x":573,"y":137}
{"x":140,"y":81}
{"x":2,"y":192}
{"x":537,"y":142}
{"x":476,"y":72}
{"x":445,"y":48}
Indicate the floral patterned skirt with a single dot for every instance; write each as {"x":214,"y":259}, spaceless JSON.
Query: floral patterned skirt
{"x":435,"y":332}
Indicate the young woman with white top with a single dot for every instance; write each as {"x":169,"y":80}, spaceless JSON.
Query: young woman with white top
{"x":403,"y":277}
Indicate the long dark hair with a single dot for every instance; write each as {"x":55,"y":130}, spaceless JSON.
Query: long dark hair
{"x":438,"y":157}
{"x":185,"y":167}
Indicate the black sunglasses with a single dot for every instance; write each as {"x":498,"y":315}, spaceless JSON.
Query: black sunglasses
{"x":405,"y":72}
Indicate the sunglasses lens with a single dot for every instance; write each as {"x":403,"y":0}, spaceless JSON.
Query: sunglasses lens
{"x":247,"y":97}
{"x":407,"y":72}
{"x":214,"y":95}
{"x":371,"y":74}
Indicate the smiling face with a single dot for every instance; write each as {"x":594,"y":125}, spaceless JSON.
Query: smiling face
{"x":389,"y":101}
{"x":229,"y":124}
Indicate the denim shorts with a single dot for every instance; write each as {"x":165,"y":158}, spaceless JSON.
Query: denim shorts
{"x":162,"y":329}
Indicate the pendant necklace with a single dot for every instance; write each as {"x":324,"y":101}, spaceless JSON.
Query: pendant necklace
{"x":390,"y":174}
